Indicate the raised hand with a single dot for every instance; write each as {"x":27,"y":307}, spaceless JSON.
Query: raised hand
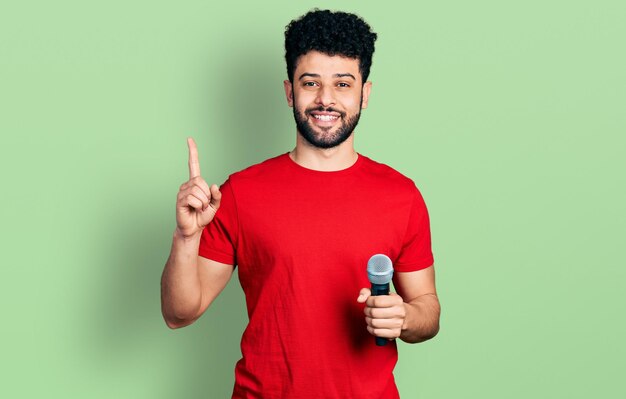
{"x":196,"y":203}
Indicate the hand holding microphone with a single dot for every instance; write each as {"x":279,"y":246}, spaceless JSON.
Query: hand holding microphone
{"x":384,"y":312}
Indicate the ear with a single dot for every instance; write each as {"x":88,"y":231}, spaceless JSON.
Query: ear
{"x":288,"y":92}
{"x":367,"y":88}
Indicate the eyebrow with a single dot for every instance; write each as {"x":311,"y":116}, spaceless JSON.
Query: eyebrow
{"x":344,"y":75}
{"x":337,"y":75}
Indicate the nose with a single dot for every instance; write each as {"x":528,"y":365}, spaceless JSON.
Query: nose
{"x":325,"y":96}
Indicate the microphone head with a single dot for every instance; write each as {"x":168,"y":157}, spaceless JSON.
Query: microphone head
{"x":379,"y":269}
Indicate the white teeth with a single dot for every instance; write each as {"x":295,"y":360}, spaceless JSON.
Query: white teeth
{"x":326,"y":118}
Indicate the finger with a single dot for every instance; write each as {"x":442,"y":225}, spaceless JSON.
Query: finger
{"x":382,"y":313}
{"x":383,"y":332}
{"x":384,"y":301}
{"x":390,"y":324}
{"x":200,"y":182}
{"x":216,"y":197}
{"x":363,"y":295}
{"x":199,"y":194}
{"x":194,"y":202}
{"x":385,"y":313}
{"x":196,"y":192}
{"x":194,"y":164}
{"x":183,"y":186}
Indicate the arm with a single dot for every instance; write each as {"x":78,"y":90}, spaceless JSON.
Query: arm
{"x":421,"y":303}
{"x":190,"y":283}
{"x":412,"y":316}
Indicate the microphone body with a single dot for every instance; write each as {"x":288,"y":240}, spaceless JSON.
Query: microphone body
{"x":379,"y":273}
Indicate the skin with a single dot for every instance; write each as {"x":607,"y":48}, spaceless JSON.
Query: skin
{"x":321,"y":80}
{"x":190,"y":283}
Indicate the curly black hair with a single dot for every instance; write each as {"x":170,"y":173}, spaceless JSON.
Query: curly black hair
{"x":332,"y":33}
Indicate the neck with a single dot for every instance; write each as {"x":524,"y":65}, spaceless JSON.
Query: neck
{"x":324,"y":159}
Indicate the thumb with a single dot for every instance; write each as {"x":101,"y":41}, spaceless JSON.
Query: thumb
{"x":363,"y":295}
{"x":216,"y":197}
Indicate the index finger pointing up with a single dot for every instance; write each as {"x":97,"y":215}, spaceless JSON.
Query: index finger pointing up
{"x":194,"y":164}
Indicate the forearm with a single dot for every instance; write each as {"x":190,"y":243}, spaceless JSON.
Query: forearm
{"x":422,"y":319}
{"x":181,"y":294}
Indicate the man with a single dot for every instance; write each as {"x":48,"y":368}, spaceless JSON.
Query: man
{"x":301,"y":228}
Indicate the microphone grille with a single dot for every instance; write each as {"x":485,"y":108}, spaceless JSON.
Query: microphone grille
{"x":379,"y":269}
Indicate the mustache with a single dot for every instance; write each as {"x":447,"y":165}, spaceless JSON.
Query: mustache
{"x":324,"y":109}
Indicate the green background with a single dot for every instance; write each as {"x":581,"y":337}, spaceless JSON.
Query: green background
{"x":509,"y":116}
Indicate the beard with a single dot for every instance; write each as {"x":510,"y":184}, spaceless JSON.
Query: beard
{"x":325,"y":139}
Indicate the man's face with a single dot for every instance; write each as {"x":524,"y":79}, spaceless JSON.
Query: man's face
{"x":327,"y":96}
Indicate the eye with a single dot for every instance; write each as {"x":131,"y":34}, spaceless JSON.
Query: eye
{"x":309,"y":84}
{"x":343,"y":84}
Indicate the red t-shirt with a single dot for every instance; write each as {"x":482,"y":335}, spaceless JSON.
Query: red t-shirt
{"x":301,"y":240}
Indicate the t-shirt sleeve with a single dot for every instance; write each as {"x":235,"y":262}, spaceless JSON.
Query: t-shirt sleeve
{"x":219,"y":238}
{"x":416,"y":252}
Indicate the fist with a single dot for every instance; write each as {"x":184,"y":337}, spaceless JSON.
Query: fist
{"x":196,"y":203}
{"x":384,"y":314}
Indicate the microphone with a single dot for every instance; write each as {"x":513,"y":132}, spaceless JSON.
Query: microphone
{"x":379,"y":273}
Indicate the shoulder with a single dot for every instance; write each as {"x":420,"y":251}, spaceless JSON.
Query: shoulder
{"x":388,"y":177}
{"x":259,"y":171}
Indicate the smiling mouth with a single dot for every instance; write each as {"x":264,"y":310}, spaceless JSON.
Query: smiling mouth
{"x":326,"y":118}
